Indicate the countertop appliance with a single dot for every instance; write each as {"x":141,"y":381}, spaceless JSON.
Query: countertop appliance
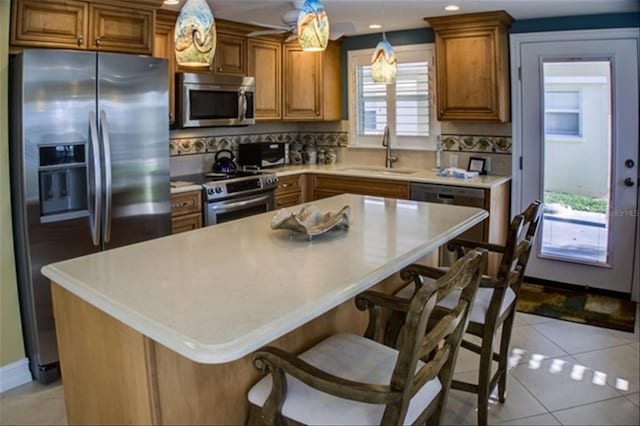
{"x":89,"y":150}
{"x":261,"y":154}
{"x":233,"y":196}
{"x":456,"y":195}
{"x":208,"y":100}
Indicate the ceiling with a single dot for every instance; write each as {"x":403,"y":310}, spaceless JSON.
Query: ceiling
{"x":407,"y":14}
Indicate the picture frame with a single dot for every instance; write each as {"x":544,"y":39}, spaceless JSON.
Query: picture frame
{"x":477,"y":164}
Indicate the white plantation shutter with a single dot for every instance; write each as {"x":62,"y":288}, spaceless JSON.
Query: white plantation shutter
{"x":404,"y":106}
{"x":412,"y":99}
{"x":372,"y":103}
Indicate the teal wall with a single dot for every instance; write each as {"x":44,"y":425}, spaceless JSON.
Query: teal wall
{"x":426,"y":35}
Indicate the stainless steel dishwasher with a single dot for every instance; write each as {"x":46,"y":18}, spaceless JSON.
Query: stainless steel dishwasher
{"x":456,"y":195}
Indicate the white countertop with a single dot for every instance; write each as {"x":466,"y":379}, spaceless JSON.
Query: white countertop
{"x":218,"y":293}
{"x":398,"y":174}
{"x":372,"y":172}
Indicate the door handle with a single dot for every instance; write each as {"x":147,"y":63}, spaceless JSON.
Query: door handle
{"x":106,"y":146}
{"x":628,"y":182}
{"x":95,"y":221}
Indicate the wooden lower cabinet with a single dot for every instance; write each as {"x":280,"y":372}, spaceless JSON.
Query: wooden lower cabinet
{"x":290,"y":191}
{"x":113,"y":374}
{"x":323,"y":186}
{"x":186,"y":211}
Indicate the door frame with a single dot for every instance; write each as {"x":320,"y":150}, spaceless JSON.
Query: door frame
{"x":515,"y":44}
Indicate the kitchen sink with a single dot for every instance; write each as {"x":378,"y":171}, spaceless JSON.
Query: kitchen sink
{"x":377,"y":171}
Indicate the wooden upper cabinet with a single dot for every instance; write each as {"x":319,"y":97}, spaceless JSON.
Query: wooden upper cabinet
{"x":472,"y":66}
{"x":163,"y":48}
{"x":312,"y":83}
{"x":119,"y":29}
{"x":116,"y":25}
{"x":51,"y":23}
{"x":231,"y":55}
{"x":264,"y":63}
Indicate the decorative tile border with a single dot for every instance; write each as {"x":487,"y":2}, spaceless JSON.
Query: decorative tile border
{"x":467,"y":143}
{"x":212,"y":144}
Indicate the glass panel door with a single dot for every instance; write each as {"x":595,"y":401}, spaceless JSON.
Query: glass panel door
{"x":577,"y":159}
{"x":578,"y":132}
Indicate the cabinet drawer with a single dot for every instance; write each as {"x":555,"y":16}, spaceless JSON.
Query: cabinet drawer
{"x":186,"y":222}
{"x":185,"y":203}
{"x":288,"y":184}
{"x":326,"y":186}
{"x":288,"y":200}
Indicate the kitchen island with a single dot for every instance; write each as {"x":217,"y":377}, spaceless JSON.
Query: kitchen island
{"x":161,"y":332}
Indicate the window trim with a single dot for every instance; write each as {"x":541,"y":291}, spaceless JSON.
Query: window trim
{"x":405,"y":53}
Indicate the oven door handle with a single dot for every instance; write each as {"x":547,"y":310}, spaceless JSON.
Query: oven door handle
{"x":237,"y":205}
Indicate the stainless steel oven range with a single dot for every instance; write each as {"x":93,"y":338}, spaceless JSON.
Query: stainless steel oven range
{"x":234,"y":196}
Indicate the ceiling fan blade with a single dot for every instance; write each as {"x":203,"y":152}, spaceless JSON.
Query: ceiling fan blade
{"x":275,"y":27}
{"x":291,"y":37}
{"x":342,"y":27}
{"x":265,"y":32}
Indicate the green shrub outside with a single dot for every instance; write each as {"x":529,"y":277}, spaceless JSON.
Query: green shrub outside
{"x":576,"y":202}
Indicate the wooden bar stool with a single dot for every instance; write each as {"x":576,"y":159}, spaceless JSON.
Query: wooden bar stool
{"x":350,"y":379}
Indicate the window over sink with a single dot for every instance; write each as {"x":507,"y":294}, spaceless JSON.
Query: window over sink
{"x":406,"y":107}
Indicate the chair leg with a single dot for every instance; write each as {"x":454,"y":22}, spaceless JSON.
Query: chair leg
{"x":503,"y":361}
{"x":484,"y":380}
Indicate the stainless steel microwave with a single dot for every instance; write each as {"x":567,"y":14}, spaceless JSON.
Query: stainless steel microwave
{"x":208,"y":100}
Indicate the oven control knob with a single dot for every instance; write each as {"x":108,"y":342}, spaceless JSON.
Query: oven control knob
{"x":275,"y":179}
{"x":218,"y":190}
{"x":210,"y":191}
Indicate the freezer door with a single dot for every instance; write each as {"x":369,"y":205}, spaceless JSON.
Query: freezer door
{"x":52,"y":97}
{"x":133,"y":111}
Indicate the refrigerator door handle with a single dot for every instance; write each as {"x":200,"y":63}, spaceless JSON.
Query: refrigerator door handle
{"x":106,"y":146}
{"x":95,"y":218}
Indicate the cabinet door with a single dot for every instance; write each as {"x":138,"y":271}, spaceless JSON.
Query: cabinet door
{"x":472,"y":61}
{"x":51,"y":23}
{"x":163,"y":48}
{"x":120,"y":29}
{"x":264,"y":62}
{"x":302,"y":83}
{"x":230,"y":55}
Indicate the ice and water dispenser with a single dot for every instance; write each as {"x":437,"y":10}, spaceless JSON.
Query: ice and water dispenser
{"x":63,"y":180}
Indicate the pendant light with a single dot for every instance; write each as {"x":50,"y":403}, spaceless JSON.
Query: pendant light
{"x":383,"y":62}
{"x":195,"y":34}
{"x":313,"y":26}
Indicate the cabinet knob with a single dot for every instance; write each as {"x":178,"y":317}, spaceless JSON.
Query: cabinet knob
{"x":219,"y":69}
{"x":317,"y":112}
{"x":97,"y":41}
{"x":80,"y":40}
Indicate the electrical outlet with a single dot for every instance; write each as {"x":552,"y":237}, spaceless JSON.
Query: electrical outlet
{"x":453,"y":160}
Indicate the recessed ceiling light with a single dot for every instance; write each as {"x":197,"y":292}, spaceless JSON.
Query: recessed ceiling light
{"x":451,"y":8}
{"x":171,"y":2}
{"x":375,"y":26}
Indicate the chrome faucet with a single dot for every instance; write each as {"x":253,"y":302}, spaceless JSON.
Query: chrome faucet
{"x":386,"y":142}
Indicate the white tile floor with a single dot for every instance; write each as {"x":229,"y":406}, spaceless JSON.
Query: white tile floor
{"x":569,"y":374}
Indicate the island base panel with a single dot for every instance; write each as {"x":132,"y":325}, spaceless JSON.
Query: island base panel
{"x":114,"y":375}
{"x":107,"y":367}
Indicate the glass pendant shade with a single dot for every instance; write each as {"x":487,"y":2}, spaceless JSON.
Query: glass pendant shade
{"x":195,"y":35}
{"x":383,"y":63}
{"x":313,"y":26}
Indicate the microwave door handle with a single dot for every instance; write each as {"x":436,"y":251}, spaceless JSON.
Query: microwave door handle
{"x":95,"y":219}
{"x":243,"y":106}
{"x":106,"y":144}
{"x":238,"y":205}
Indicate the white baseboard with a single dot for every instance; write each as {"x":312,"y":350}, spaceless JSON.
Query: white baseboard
{"x":14,"y":374}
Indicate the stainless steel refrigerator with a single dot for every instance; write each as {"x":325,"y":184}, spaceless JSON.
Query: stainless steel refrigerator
{"x":89,"y":151}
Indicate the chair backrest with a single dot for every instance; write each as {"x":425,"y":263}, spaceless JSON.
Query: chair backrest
{"x":440,"y":343}
{"x":515,"y":257}
{"x":520,"y":239}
